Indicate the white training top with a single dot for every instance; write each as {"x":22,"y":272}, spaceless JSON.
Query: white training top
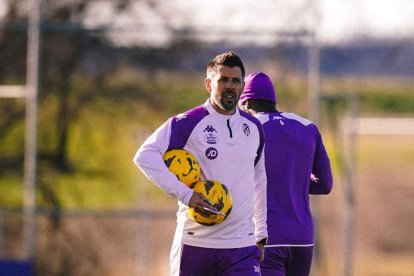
{"x":229,"y":150}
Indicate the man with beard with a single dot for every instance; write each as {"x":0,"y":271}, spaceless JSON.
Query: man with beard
{"x":228,"y":144}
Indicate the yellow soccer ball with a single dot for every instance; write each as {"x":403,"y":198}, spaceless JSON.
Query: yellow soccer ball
{"x":184,"y":165}
{"x":219,"y":196}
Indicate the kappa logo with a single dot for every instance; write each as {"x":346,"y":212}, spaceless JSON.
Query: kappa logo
{"x":246,"y":129}
{"x":280,"y":119}
{"x":210,"y":129}
{"x":256,"y":269}
{"x":181,"y":116}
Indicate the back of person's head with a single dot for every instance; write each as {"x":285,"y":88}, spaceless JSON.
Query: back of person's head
{"x":230,"y":59}
{"x":259,"y":88}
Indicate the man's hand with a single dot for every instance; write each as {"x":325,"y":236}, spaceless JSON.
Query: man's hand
{"x":201,"y":205}
{"x":262,"y":250}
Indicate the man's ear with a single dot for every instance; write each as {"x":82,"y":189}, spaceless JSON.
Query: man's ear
{"x":207,"y":83}
{"x":248,"y":104}
{"x":244,"y":106}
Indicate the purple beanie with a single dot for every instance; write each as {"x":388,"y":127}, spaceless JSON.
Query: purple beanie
{"x":258,"y":86}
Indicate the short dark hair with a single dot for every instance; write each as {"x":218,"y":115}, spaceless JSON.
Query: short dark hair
{"x":230,"y":59}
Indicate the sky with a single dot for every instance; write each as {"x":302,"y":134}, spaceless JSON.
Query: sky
{"x":378,"y":18}
{"x":334,"y":21}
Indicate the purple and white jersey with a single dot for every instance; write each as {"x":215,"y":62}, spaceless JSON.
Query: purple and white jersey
{"x":229,"y":150}
{"x":294,"y":150}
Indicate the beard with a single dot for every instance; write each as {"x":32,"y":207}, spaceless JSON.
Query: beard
{"x":227,"y":100}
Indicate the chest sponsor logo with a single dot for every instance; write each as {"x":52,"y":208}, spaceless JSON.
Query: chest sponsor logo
{"x":211,"y":153}
{"x":210,"y":138}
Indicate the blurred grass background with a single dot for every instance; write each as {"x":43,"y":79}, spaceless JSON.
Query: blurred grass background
{"x":105,"y":135}
{"x":98,"y":101}
{"x":100,"y":175}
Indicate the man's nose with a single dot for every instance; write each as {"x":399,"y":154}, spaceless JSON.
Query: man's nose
{"x":230,"y":83}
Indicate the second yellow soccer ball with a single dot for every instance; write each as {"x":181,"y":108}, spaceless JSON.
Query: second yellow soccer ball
{"x":220,"y":197}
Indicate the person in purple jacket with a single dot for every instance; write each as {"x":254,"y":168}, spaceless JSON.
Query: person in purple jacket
{"x":297,"y":165}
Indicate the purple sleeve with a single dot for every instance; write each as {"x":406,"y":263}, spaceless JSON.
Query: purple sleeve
{"x":321,"y":169}
{"x":183,"y":125}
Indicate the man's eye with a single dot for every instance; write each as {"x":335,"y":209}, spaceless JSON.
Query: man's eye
{"x":232,"y":80}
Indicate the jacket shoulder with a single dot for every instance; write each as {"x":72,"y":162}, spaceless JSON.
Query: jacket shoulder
{"x":249,"y":117}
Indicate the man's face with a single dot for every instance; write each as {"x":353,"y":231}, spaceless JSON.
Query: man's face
{"x":225,"y":88}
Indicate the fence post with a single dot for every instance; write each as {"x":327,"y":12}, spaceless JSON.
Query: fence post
{"x":33,"y":50}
